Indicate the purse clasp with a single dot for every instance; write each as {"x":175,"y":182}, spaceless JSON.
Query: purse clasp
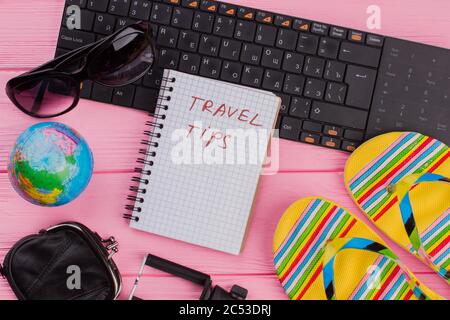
{"x":111,"y":245}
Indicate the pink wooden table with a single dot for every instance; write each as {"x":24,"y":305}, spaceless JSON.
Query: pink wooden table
{"x":28,"y":33}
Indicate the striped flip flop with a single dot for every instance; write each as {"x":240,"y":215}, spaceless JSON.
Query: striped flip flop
{"x":322,"y":251}
{"x":401,"y":181}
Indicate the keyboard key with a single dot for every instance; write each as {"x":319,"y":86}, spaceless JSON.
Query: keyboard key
{"x":193,"y":4}
{"x":300,"y":107}
{"x":245,"y":31}
{"x":310,"y":138}
{"x":146,"y":99}
{"x":301,"y":25}
{"x":188,"y":41}
{"x":328,"y":48}
{"x":252,"y":76}
{"x":336,"y":92}
{"x":333,"y":131}
{"x":293,"y":62}
{"x":207,"y":5}
{"x":307,"y":43}
{"x":283,"y":21}
{"x":266,"y":35}
{"x":361,"y":82}
{"x":272,"y":58}
{"x":338,"y":32}
{"x":230,"y":49}
{"x":319,"y":28}
{"x":354,"y":135}
{"x":123,"y":96}
{"x":224,"y":27}
{"x":312,"y":126}
{"x":231,"y":71}
{"x":98,"y":5}
{"x":314,"y":67}
{"x":161,"y":13}
{"x":86,"y":21}
{"x":358,"y":54}
{"x":102,"y":93}
{"x":73,"y":39}
{"x":209,"y":45}
{"x":104,"y":23}
{"x":356,"y":36}
{"x":119,"y":7}
{"x":374,"y":40}
{"x":273,"y":80}
{"x":227,"y":9}
{"x":264,"y":17}
{"x":330,"y":142}
{"x":174,"y":2}
{"x":246,"y":13}
{"x":314,"y":88}
{"x":290,"y":128}
{"x":349,"y":146}
{"x":122,"y":22}
{"x":167,"y":37}
{"x":190,"y":63}
{"x":140,"y":10}
{"x":210,"y":67}
{"x":182,"y":18}
{"x":285,"y":103}
{"x":293,"y":84}
{"x":339,"y":115}
{"x":251,"y":54}
{"x":203,"y":22}
{"x":168,"y":59}
{"x":334,"y":71}
{"x":153,"y":78}
{"x":287,"y":39}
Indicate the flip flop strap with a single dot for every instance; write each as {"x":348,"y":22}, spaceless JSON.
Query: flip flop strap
{"x":334,"y":247}
{"x":402,"y":189}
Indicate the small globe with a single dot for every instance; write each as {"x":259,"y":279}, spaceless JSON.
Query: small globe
{"x":50,"y":164}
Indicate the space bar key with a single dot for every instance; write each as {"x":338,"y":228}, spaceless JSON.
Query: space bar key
{"x":339,"y":115}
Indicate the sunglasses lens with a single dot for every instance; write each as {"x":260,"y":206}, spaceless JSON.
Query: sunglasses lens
{"x":46,"y":97}
{"x":127,"y":59}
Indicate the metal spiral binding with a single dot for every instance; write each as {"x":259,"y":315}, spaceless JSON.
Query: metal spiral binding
{"x":147,"y":153}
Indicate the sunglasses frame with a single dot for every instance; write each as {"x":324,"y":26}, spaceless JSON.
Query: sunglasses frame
{"x":52,"y":69}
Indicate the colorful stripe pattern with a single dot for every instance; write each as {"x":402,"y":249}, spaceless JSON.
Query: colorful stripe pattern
{"x":376,"y":283}
{"x":385,"y":281}
{"x":436,"y":243}
{"x":409,"y":222}
{"x":410,"y":154}
{"x":299,"y":259}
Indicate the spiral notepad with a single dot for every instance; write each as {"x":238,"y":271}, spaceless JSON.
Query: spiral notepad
{"x":202,"y":160}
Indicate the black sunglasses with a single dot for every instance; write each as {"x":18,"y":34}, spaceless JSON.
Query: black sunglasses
{"x":54,"y":88}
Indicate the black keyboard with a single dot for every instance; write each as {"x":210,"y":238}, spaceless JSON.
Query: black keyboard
{"x":339,"y":86}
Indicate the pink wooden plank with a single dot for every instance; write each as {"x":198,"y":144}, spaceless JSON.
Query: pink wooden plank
{"x":260,"y":287}
{"x":94,"y":208}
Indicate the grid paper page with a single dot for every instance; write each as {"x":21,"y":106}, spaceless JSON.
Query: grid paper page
{"x":204,"y":204}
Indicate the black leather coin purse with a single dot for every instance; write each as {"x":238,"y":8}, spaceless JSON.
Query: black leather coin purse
{"x":65,"y":262}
